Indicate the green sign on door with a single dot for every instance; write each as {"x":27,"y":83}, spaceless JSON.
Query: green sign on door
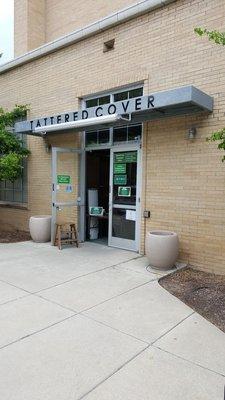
{"x":119,"y":157}
{"x":127,"y":157}
{"x":63,"y":179}
{"x":131,"y":157}
{"x":119,"y":168}
{"x":120,"y":179}
{"x":96,"y":211}
{"x":124,"y":191}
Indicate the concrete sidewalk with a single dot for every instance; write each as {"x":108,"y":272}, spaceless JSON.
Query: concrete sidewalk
{"x":92,"y":323}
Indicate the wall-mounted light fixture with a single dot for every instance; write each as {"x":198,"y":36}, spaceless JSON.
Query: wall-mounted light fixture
{"x":192,"y":132}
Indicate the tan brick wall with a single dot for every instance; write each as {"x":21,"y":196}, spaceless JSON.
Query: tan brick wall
{"x":29,"y":25}
{"x":20,"y":27}
{"x":183,"y":182}
{"x":36,"y":23}
{"x":185,"y":190}
{"x":65,"y":16}
{"x":41,"y":21}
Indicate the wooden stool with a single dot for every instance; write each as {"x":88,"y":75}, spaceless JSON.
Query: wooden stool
{"x":65,"y":233}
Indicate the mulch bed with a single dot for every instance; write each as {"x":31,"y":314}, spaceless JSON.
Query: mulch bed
{"x":14,"y":236}
{"x":203,"y":292}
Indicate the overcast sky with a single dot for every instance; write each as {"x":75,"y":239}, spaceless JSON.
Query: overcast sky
{"x":6,"y":30}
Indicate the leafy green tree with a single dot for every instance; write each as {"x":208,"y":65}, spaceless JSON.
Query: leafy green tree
{"x":218,"y":38}
{"x":215,"y":36}
{"x":12,"y":151}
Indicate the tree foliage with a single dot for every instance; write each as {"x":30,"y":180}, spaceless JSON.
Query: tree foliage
{"x":12,"y":151}
{"x":218,"y":38}
{"x":215,"y":36}
{"x":218,"y":136}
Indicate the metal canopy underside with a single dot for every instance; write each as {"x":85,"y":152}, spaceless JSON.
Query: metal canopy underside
{"x":176,"y":102}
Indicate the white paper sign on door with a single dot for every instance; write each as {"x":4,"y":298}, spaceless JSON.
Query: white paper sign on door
{"x":131,"y":215}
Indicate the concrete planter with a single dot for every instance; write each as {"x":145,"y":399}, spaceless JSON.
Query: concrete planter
{"x":162,"y":249}
{"x":40,"y":228}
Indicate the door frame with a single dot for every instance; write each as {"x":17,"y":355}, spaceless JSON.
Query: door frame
{"x":80,"y":201}
{"x":126,"y":243}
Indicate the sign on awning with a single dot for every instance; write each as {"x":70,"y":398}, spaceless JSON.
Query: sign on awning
{"x":181,"y":101}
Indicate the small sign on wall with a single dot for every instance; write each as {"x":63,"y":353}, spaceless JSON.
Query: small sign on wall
{"x":69,"y":188}
{"x":63,"y":179}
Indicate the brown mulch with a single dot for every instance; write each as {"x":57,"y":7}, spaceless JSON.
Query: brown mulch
{"x":203,"y":292}
{"x":14,"y":236}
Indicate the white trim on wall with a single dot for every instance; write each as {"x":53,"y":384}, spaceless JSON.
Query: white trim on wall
{"x":103,"y":24}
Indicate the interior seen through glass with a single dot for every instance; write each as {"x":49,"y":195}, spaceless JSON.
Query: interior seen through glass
{"x":124,"y":183}
{"x":124,"y":193}
{"x":121,"y":134}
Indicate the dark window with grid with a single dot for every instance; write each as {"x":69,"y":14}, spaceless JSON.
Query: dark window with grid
{"x":15,"y":192}
{"x":98,"y":101}
{"x":97,"y":138}
{"x":127,"y":133}
{"x":128,"y":94}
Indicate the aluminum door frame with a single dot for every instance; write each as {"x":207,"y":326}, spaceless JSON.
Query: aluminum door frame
{"x":79,"y":202}
{"x":126,"y":244}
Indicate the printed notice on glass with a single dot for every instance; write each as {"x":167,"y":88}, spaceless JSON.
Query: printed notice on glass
{"x":131,"y":215}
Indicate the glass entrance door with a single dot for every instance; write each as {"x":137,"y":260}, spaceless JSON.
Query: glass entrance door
{"x":68,"y":197}
{"x":124,"y":202}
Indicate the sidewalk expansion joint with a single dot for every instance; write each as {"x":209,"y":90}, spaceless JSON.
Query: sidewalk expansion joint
{"x":56,"y":303}
{"x":113,"y":373}
{"x":36,"y":332}
{"x":15,"y":286}
{"x":115,"y":329}
{"x":82,"y":312}
{"x":117,"y":295}
{"x":189,"y":361}
{"x":16,"y":299}
{"x":173,"y":327}
{"x":83,"y":275}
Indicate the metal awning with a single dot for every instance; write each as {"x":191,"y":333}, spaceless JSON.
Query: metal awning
{"x":82,"y":124}
{"x":181,"y":101}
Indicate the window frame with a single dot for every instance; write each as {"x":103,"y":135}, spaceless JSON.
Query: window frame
{"x":23,"y":184}
{"x":111,"y":94}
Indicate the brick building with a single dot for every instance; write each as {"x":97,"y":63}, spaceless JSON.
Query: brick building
{"x":122,"y":96}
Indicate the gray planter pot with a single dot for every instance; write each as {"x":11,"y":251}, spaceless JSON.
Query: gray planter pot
{"x":162,"y":248}
{"x":40,"y":228}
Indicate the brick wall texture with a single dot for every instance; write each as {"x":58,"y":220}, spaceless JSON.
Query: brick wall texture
{"x":41,"y":21}
{"x":183,"y":182}
{"x":29,"y":25}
